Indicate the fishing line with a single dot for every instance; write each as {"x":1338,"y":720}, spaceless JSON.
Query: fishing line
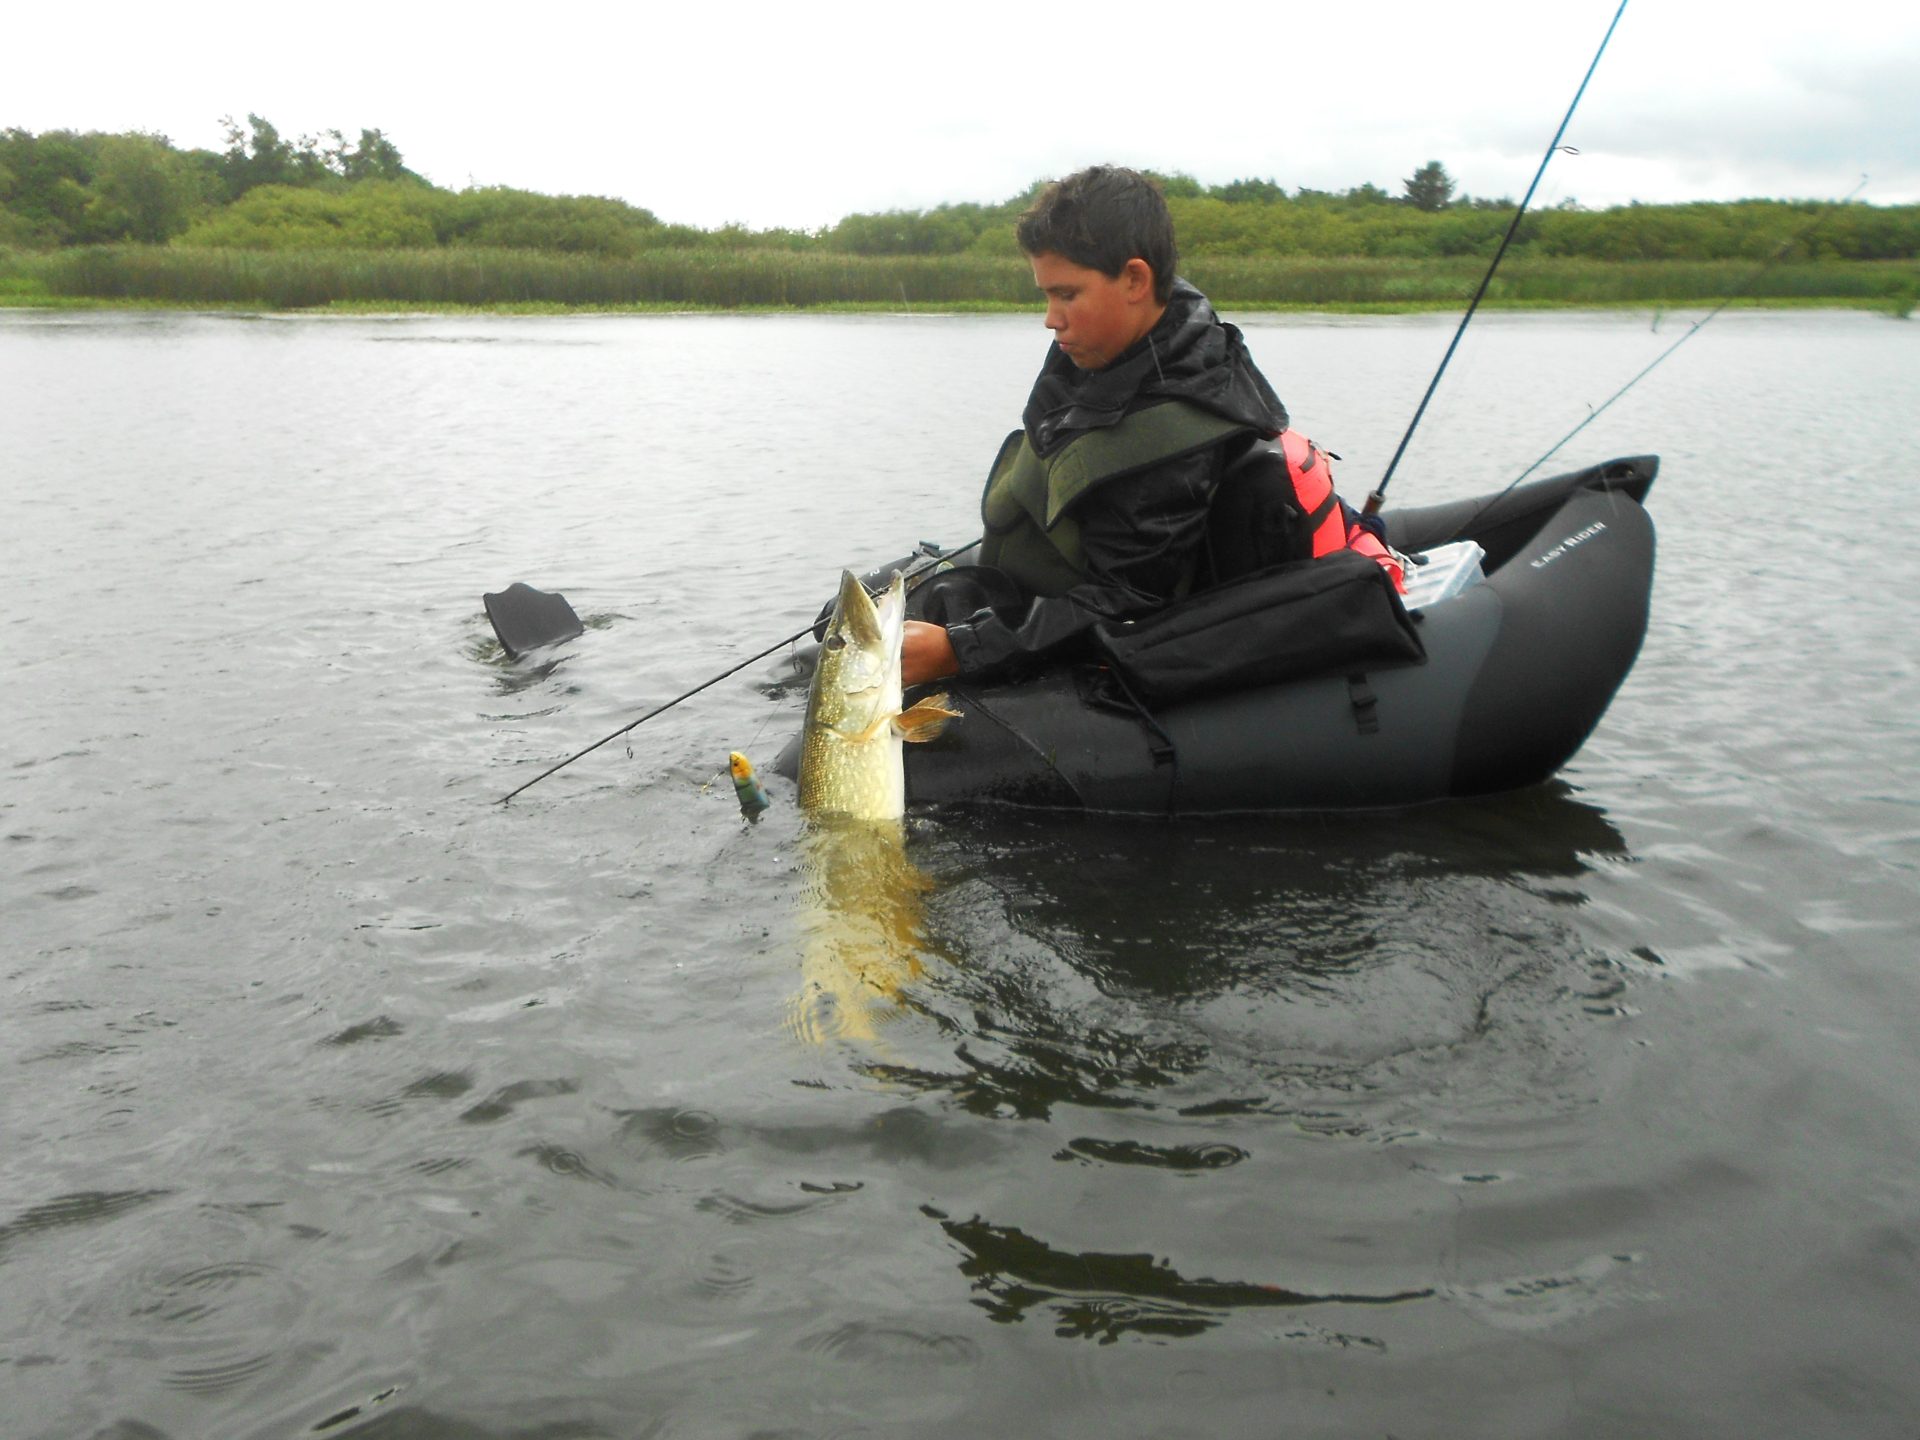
{"x":1378,"y":497}
{"x":1779,"y":254}
{"x":932,"y":558}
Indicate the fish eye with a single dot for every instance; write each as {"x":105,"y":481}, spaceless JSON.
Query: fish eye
{"x":836,"y":641}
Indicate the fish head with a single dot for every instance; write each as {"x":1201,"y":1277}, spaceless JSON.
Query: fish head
{"x":860,"y":654}
{"x":739,"y":766}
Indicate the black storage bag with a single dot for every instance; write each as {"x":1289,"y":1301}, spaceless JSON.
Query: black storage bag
{"x":1339,"y":612}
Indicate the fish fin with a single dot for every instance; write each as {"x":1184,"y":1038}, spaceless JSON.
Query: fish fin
{"x":925,"y":719}
{"x":864,"y":733}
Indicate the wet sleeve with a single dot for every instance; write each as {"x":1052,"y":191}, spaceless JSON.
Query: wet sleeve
{"x":1140,"y":536}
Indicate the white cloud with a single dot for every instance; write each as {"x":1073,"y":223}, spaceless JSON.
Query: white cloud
{"x":797,"y":115}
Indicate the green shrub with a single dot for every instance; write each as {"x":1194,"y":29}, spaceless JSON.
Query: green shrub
{"x":373,"y":215}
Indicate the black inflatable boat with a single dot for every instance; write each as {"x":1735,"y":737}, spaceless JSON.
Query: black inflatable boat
{"x":1518,"y":670}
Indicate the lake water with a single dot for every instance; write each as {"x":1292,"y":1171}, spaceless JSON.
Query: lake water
{"x":342,"y":1100}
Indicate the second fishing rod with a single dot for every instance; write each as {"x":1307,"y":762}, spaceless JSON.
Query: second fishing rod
{"x":1378,"y":497}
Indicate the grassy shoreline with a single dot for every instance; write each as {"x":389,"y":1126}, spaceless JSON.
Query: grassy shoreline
{"x":460,"y":281}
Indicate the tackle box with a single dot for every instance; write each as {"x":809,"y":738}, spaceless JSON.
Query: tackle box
{"x":1448,"y":569}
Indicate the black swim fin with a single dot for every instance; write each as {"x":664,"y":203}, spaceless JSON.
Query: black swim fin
{"x":525,"y":618}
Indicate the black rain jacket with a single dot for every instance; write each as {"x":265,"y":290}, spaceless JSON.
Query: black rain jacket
{"x":1140,"y":533}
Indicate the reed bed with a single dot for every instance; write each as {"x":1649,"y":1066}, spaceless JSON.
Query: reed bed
{"x":1252,"y":282}
{"x":695,"y":278}
{"x":721,"y":279}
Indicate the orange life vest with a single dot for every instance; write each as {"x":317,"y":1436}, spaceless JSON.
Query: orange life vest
{"x":1326,"y":517}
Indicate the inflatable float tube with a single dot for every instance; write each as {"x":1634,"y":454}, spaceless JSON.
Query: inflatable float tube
{"x":1519,"y":669}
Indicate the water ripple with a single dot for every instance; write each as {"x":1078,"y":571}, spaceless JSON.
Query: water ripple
{"x":508,"y":1098}
{"x":1215,"y":1155}
{"x":81,"y":1207}
{"x":870,"y":1344}
{"x":741,"y":1211}
{"x":209,"y":1320}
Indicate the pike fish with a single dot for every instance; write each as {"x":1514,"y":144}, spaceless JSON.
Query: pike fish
{"x":850,"y":757}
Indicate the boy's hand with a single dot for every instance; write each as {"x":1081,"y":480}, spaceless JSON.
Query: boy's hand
{"x":926,"y":654}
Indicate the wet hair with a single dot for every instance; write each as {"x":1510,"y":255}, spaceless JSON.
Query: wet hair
{"x":1102,"y":217}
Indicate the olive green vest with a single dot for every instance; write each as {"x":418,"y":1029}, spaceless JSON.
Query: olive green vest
{"x":1030,"y":536}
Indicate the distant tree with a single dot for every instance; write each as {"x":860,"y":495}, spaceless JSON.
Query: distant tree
{"x":904,"y":232}
{"x":375,"y":157}
{"x":259,"y":156}
{"x":254,"y":157}
{"x":14,"y":229}
{"x":143,"y":190}
{"x":1177,"y":186}
{"x":1242,"y":192}
{"x":497,"y":217}
{"x":1430,"y":187}
{"x":48,"y":192}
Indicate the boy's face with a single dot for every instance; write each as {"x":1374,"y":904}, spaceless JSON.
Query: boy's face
{"x":1095,"y":317}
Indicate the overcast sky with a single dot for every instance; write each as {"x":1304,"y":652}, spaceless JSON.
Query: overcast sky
{"x":794,"y":115}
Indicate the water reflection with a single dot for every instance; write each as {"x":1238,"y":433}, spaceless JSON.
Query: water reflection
{"x":1093,"y":1295}
{"x":898,"y":1135}
{"x":1282,"y":964}
{"x":862,"y":922}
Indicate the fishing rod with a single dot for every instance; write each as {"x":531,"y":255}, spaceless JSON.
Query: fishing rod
{"x":932,"y":556}
{"x":1379,"y":495}
{"x":1780,"y":253}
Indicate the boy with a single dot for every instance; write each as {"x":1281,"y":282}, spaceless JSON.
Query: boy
{"x":1097,"y":508}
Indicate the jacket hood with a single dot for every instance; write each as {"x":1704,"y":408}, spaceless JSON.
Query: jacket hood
{"x":1190,"y":354}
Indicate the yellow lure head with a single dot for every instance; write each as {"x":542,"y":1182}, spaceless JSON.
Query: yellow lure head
{"x":746,"y":785}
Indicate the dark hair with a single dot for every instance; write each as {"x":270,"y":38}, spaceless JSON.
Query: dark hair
{"x":1102,"y":217}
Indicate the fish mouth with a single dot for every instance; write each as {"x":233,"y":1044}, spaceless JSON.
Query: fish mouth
{"x":861,"y":646}
{"x":854,"y":616}
{"x":859,"y":619}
